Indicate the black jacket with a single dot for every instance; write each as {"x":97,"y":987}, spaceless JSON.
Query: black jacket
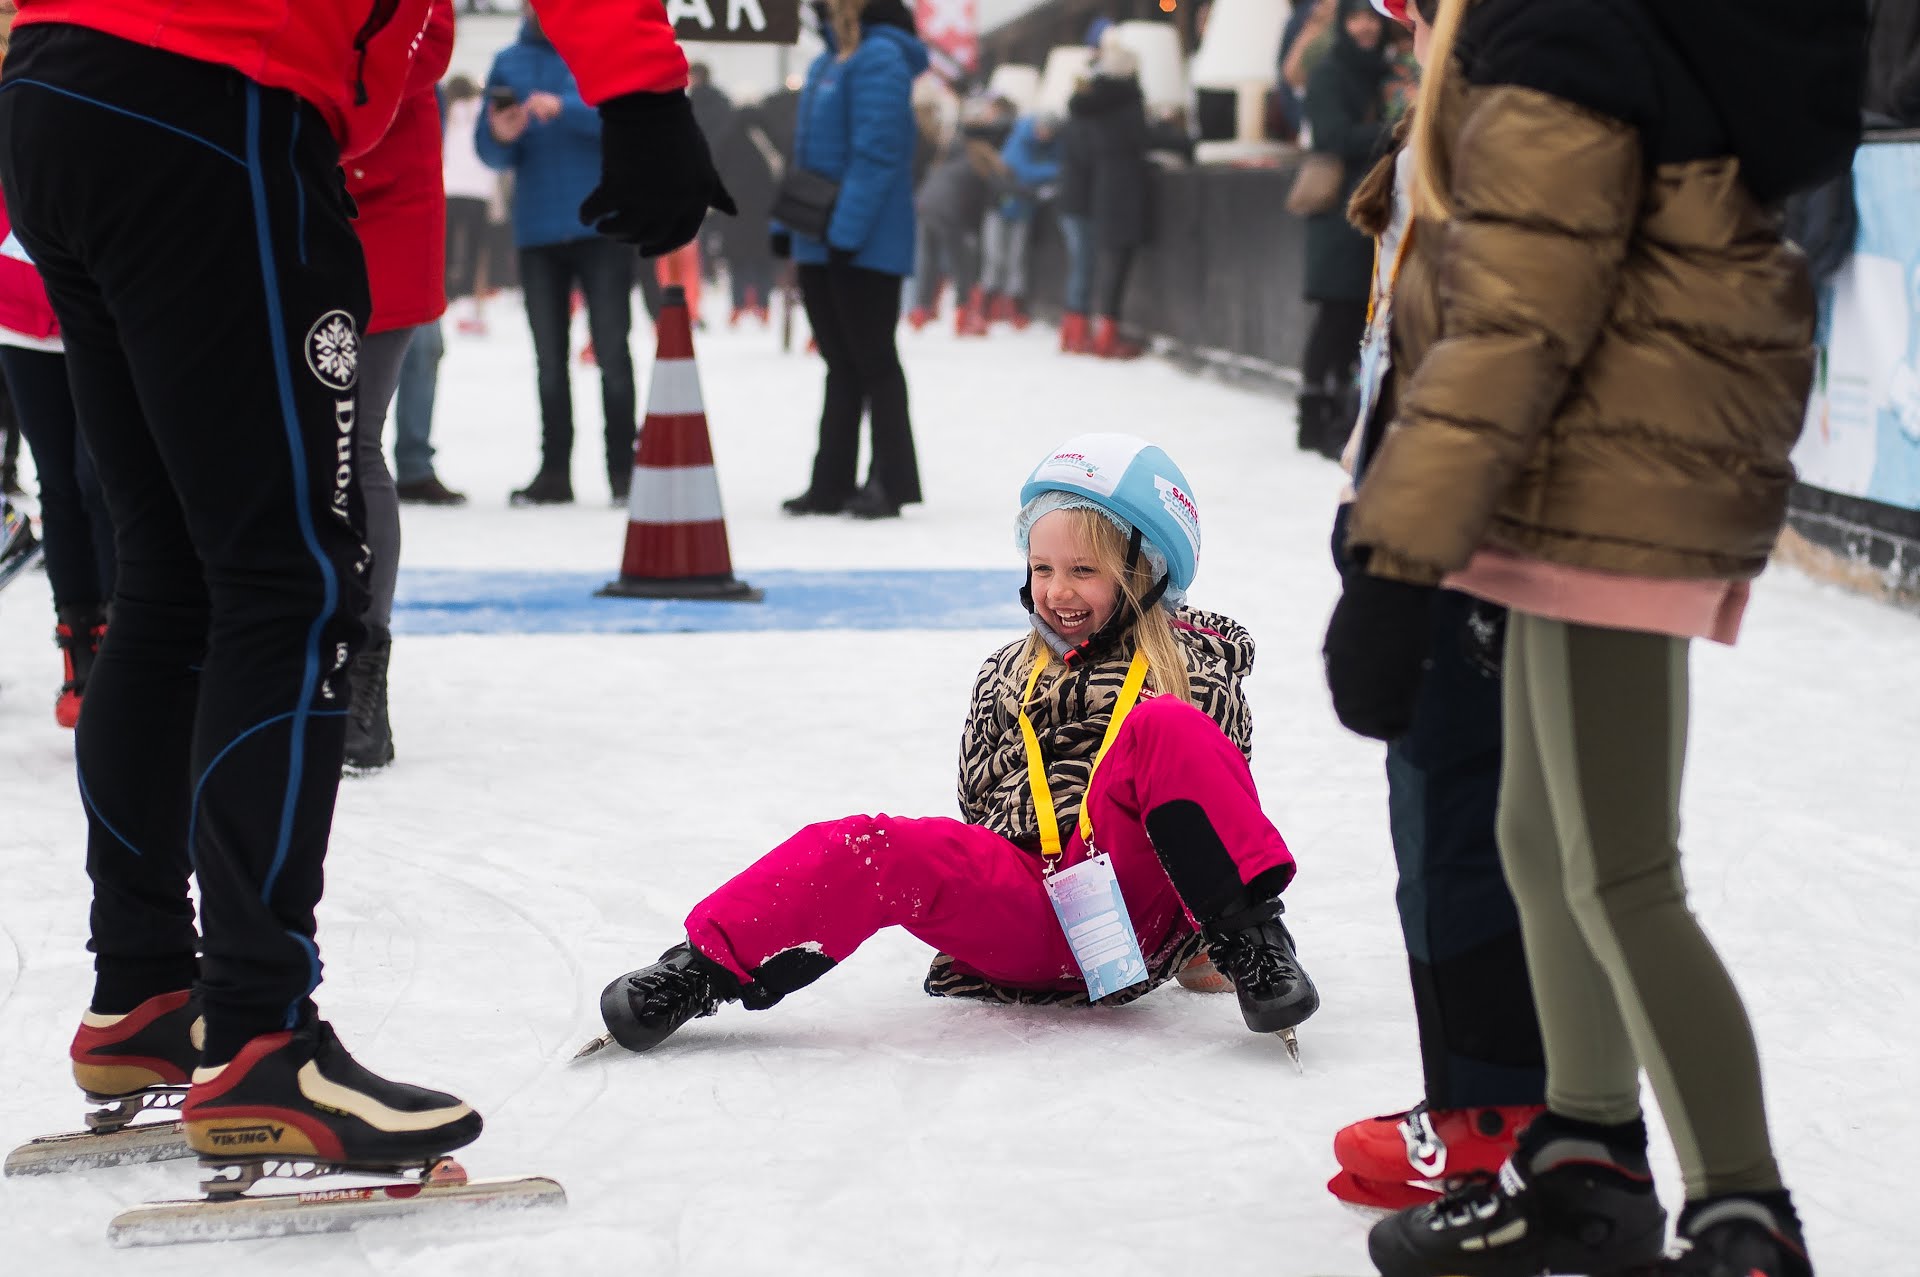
{"x":1344,"y":101}
{"x":1107,"y":137}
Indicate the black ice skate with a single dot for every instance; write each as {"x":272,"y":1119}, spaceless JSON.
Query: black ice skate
{"x":643,"y":1008}
{"x":1567,"y":1201}
{"x":297,"y":1097}
{"x":1254,"y":949}
{"x":1738,"y":1237}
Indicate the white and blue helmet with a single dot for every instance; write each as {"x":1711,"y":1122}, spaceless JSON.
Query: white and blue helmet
{"x":1133,"y":483}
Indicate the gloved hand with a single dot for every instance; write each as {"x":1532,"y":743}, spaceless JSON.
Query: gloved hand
{"x":657,"y":179}
{"x":1376,"y":652}
{"x":781,"y":244}
{"x":839,"y":256}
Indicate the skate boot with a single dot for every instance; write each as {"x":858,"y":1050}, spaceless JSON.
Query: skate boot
{"x":643,"y":1008}
{"x":1748,"y":1236}
{"x":1254,"y":949}
{"x":1425,"y":1143}
{"x":152,"y":1048}
{"x":297,"y":1096}
{"x":369,"y":731}
{"x":1573,"y":1198}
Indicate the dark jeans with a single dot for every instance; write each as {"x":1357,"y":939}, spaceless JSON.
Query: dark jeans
{"x":853,"y":313}
{"x":73,"y":510}
{"x":603,"y":271}
{"x":466,"y":244}
{"x":952,"y":252}
{"x":212,"y":341}
{"x":1077,"y":232}
{"x":413,"y":404}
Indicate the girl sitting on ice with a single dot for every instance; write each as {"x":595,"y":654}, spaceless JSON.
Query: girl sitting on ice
{"x":1147,"y":842}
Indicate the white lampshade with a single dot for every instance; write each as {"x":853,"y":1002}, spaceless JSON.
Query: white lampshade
{"x":1241,"y":44}
{"x":1018,"y":84}
{"x":1163,"y":71}
{"x":1066,"y":66}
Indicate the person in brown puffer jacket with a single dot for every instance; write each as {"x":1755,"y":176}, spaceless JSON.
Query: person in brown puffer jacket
{"x":1601,"y":350}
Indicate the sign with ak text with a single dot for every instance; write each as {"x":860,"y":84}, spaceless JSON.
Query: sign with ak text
{"x":736,"y":21}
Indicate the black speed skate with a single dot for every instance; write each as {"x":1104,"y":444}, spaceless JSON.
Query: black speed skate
{"x":1755,"y":1236}
{"x":643,"y":1008}
{"x":1254,"y":949}
{"x":298,"y":1097}
{"x":1567,"y":1201}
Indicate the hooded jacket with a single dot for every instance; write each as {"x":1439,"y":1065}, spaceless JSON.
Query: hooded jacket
{"x":1070,"y":713}
{"x":555,"y":164}
{"x":349,"y":58}
{"x":1109,"y":145}
{"x":1602,"y":359}
{"x":856,"y":126}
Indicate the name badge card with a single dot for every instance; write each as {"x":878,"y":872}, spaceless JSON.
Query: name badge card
{"x":1094,"y":916}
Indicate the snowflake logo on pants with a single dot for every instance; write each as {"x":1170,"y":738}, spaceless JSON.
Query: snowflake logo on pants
{"x":333,"y":350}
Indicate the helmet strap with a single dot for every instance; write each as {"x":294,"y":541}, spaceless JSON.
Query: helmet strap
{"x":1104,"y":639}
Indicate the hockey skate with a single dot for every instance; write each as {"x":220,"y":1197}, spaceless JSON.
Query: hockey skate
{"x":295,"y":1105}
{"x":1757,"y":1236}
{"x":643,"y":1008}
{"x":129,"y":1066}
{"x":1569,"y":1200}
{"x":1404,"y":1159}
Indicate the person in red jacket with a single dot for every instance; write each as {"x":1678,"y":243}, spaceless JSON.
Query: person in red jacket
{"x":402,"y":226}
{"x":173,"y":169}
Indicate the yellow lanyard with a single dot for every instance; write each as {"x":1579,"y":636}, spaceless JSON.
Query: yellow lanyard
{"x":1036,"y":768}
{"x":1374,"y":292}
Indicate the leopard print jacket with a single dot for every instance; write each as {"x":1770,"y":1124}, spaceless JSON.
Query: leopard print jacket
{"x":1070,"y":713}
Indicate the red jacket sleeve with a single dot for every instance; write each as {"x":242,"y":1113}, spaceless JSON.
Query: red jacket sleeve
{"x":615,"y":46}
{"x":434,"y":53}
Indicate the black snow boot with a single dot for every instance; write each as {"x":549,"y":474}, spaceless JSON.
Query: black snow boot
{"x":1575,"y":1197}
{"x":643,"y":1008}
{"x":1751,"y":1235}
{"x":369,"y":733}
{"x":549,"y":487}
{"x":1254,"y":949}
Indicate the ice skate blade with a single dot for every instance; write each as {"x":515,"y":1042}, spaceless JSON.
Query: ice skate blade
{"x":594,"y":1047}
{"x":235,"y":1217}
{"x":1291,"y":1040}
{"x":93,"y":1150}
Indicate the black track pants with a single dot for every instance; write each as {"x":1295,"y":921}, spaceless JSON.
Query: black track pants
{"x":195,"y":242}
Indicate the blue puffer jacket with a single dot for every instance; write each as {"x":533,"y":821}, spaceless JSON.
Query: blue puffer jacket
{"x":554,"y":164}
{"x":1033,"y":164}
{"x":856,"y":126}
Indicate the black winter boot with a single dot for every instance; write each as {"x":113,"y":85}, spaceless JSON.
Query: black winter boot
{"x":1254,"y":949}
{"x":1751,"y":1235}
{"x":369,"y":733}
{"x":549,"y":487}
{"x":1575,"y":1197}
{"x":643,"y":1008}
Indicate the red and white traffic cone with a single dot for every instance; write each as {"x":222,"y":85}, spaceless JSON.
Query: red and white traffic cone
{"x":676,"y":533}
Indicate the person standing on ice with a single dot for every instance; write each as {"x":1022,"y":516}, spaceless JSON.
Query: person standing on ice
{"x":213,"y":343}
{"x":1108,"y":745}
{"x":1482,"y":1062}
{"x":1601,"y":353}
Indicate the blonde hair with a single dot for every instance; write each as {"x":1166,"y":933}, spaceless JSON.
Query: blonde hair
{"x":1152,"y":632}
{"x":1432,"y":174}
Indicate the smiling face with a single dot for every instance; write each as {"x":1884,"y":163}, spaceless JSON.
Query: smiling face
{"x":1072,"y":593}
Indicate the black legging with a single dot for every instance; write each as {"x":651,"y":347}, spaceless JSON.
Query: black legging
{"x":73,"y":510}
{"x":853,"y":313}
{"x":1333,"y":343}
{"x":1115,"y":265}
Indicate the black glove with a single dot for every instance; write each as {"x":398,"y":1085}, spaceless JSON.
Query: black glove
{"x":1376,"y":652}
{"x":839,"y":256}
{"x":781,"y":244}
{"x":657,"y":179}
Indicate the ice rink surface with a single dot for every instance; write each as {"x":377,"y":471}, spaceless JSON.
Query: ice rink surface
{"x":561,"y":799}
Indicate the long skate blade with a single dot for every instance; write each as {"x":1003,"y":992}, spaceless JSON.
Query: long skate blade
{"x":91,"y":1150}
{"x":330,"y":1210}
{"x":1291,"y":1041}
{"x":594,"y":1047}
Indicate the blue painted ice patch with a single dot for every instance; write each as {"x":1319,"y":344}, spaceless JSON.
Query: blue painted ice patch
{"x":448,"y":601}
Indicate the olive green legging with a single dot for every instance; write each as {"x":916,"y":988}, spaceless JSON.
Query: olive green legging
{"x":1589,"y":826}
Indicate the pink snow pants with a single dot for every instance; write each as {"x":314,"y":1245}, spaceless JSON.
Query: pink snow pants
{"x":974,"y":894}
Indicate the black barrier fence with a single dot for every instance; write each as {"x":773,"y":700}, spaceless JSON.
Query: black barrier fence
{"x":1220,"y":280}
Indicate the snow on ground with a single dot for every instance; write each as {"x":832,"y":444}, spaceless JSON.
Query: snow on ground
{"x":561,"y":800}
